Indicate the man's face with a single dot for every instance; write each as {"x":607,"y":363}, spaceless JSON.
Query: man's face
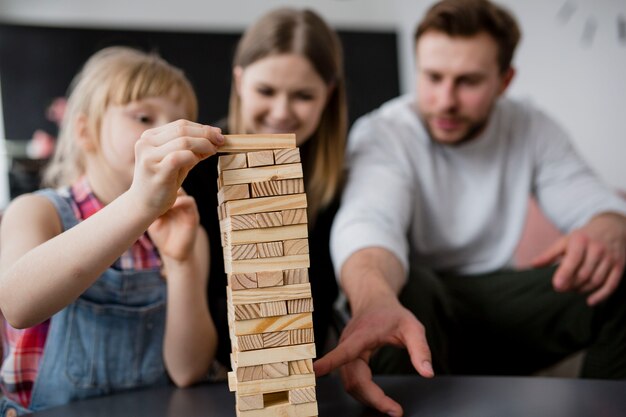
{"x":458,"y":82}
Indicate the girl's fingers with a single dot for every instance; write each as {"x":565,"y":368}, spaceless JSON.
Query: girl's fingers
{"x":159,"y":129}
{"x":177,"y":161}
{"x":199,"y":146}
{"x":182,"y":128}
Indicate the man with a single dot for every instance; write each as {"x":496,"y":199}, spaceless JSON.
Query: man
{"x":434,"y":208}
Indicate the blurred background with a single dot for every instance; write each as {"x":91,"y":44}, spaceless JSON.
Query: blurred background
{"x":571,"y":62}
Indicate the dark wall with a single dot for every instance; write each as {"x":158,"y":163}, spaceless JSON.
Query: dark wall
{"x":38,"y":63}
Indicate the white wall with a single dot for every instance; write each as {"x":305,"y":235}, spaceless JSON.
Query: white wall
{"x":582,"y":84}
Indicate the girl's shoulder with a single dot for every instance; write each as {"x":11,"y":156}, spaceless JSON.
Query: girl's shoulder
{"x":31,"y":215}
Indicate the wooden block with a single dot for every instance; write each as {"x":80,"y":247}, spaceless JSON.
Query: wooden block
{"x":287,"y":156}
{"x":250,"y":402}
{"x":300,"y":367}
{"x":242,"y":281}
{"x":260,"y":158}
{"x":302,"y":395}
{"x":300,"y":336}
{"x":271,"y":385}
{"x":249,"y":373}
{"x":265,"y":295}
{"x":221,"y":212}
{"x":297,"y":216}
{"x":283,"y":410}
{"x":265,"y":204}
{"x":272,"y":399}
{"x":269,"y":278}
{"x":264,"y":189}
{"x":246,"y":143}
{"x":267,"y":264}
{"x":269,"y":234}
{"x":275,"y":370}
{"x":243,"y":221}
{"x":261,"y":174}
{"x":273,"y":324}
{"x":249,"y":251}
{"x":273,"y":308}
{"x":247,"y":311}
{"x":251,"y":341}
{"x":296,"y":246}
{"x":233,"y":192}
{"x":270,"y":249}
{"x":295,"y":276}
{"x":280,"y":187}
{"x":235,"y":161}
{"x":275,"y":339}
{"x":277,"y":354}
{"x":303,"y":305}
{"x":272,"y":219}
{"x":293,"y":186}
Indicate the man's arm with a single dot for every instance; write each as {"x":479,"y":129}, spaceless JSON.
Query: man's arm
{"x":370,"y":249}
{"x":372,"y":279}
{"x":592,"y":253}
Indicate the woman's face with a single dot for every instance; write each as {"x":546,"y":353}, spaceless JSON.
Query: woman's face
{"x":281,"y":94}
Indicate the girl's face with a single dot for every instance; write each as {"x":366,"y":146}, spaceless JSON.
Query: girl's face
{"x":281,"y":94}
{"x":122,"y":126}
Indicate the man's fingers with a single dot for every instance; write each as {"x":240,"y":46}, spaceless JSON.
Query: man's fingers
{"x":357,"y":379}
{"x":594,"y":254}
{"x":598,"y":277}
{"x":565,"y":275}
{"x":608,"y":287}
{"x":551,"y":254}
{"x":346,"y":351}
{"x":415,"y":341}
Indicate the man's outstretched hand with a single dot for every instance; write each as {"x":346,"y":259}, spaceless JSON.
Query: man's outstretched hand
{"x":385,"y":322}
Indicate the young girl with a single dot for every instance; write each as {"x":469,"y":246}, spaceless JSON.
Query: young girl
{"x":287,"y":78}
{"x":104,"y":306}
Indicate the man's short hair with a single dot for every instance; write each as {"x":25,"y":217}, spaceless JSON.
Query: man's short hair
{"x":467,"y":18}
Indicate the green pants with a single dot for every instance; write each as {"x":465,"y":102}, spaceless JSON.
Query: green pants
{"x":509,"y":323}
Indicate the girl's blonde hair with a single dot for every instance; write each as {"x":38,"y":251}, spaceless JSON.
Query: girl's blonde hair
{"x":303,"y":32}
{"x":112,"y":76}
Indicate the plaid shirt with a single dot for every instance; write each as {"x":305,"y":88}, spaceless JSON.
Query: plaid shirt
{"x":23,"y":349}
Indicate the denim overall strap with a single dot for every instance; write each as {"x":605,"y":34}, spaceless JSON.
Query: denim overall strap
{"x":109,"y":340}
{"x":62,"y":205}
{"x":9,"y":408}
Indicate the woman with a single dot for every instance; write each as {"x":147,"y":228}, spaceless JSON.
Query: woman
{"x":287,"y":78}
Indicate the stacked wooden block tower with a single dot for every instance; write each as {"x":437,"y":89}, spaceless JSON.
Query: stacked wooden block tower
{"x":263,"y":221}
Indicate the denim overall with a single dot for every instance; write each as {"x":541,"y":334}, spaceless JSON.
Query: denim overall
{"x":109,"y":340}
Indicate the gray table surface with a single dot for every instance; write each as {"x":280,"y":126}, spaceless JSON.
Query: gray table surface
{"x":441,"y":396}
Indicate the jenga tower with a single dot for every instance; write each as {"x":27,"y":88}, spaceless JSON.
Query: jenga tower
{"x":263,"y":222}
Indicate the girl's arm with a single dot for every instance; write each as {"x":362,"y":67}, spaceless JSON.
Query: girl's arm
{"x":42,"y":270}
{"x":190,"y":335}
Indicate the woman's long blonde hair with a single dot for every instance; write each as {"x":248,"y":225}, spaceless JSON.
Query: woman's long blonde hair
{"x":112,"y":76}
{"x":303,"y":32}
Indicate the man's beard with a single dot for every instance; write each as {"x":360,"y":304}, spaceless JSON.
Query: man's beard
{"x":475,"y":128}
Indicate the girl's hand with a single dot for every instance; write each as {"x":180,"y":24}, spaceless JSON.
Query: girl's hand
{"x":174,"y":232}
{"x":163,"y":157}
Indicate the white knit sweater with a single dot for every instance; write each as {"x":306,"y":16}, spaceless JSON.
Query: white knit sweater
{"x":460,"y":208}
